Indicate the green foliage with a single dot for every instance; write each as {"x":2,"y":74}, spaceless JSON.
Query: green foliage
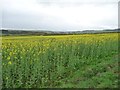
{"x":71,"y":61}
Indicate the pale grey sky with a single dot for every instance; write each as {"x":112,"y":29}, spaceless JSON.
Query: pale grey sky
{"x":60,"y":14}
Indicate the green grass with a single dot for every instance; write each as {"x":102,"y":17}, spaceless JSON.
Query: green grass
{"x":73,"y":61}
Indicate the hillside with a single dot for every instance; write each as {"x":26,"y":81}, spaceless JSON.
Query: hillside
{"x":41,"y":32}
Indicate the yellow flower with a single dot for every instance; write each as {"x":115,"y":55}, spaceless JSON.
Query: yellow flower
{"x":8,"y":58}
{"x":11,"y":53}
{"x":10,"y":62}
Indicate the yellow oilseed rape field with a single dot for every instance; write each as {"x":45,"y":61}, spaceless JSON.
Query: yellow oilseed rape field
{"x":66,"y":61}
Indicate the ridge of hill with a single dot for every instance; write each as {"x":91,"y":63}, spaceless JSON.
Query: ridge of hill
{"x":41,"y":32}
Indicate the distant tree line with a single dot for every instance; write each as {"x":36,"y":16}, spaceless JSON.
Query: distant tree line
{"x":45,"y":33}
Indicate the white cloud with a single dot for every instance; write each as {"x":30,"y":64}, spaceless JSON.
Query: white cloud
{"x":0,"y":14}
{"x":66,"y":16}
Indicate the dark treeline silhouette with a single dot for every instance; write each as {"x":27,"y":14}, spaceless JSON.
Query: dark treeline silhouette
{"x":45,"y":33}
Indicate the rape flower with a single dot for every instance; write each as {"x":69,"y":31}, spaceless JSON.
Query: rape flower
{"x":10,"y":62}
{"x":8,"y":58}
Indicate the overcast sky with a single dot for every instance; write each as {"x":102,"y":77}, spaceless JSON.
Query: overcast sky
{"x":59,"y":14}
